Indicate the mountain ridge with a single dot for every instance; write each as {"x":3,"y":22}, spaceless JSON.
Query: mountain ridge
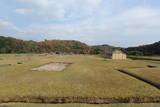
{"x":13,"y":45}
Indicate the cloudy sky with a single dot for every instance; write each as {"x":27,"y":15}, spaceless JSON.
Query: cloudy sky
{"x":115,"y":22}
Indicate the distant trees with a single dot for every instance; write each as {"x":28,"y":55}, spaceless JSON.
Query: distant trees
{"x":96,"y":50}
{"x":12,"y":45}
{"x":152,"y":49}
{"x":136,"y":53}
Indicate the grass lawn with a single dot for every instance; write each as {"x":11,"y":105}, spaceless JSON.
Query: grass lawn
{"x":87,"y":76}
{"x":152,"y":74}
{"x":79,"y":105}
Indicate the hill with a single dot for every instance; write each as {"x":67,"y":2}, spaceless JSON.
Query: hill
{"x":101,"y":49}
{"x":151,"y":49}
{"x":13,"y":45}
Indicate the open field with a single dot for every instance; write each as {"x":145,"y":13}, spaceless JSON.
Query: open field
{"x":88,"y":79}
{"x":152,"y":74}
{"x":79,"y":105}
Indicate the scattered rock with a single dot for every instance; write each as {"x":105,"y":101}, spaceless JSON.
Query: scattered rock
{"x":57,"y":52}
{"x":19,"y":63}
{"x":152,"y":66}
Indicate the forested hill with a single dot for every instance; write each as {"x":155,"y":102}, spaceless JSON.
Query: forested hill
{"x":102,"y":49}
{"x":151,"y":49}
{"x":13,"y":45}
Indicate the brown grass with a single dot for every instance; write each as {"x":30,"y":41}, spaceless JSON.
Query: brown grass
{"x":152,"y":74}
{"x":87,"y":77}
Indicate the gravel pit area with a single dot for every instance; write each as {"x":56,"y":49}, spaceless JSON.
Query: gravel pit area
{"x":52,"y":67}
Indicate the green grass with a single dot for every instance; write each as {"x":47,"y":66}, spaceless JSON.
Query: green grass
{"x":88,"y":76}
{"x":79,"y":105}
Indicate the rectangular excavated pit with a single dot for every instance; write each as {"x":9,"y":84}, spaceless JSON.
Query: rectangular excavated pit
{"x":58,"y":66}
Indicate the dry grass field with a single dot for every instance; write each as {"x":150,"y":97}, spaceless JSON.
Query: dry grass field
{"x":87,"y":76}
{"x":152,"y":74}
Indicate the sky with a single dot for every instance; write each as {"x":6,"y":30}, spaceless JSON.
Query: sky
{"x":121,"y":23}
